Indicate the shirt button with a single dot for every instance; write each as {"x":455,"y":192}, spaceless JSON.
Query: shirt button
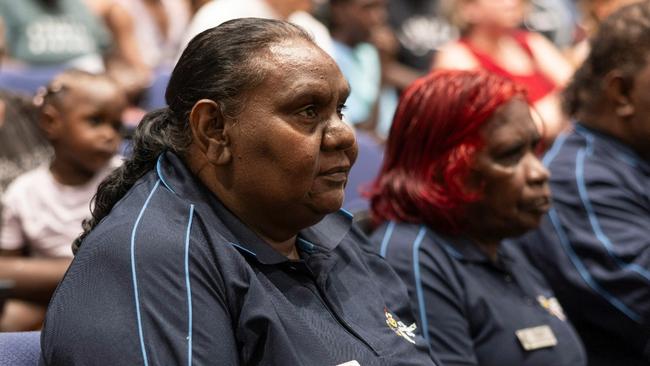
{"x":529,"y":301}
{"x":508,"y":278}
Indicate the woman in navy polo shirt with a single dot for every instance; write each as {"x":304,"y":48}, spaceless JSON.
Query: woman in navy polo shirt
{"x":460,"y":176}
{"x":220,"y":242}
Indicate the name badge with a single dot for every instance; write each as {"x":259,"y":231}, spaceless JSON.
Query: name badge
{"x":349,"y":363}
{"x":536,"y":337}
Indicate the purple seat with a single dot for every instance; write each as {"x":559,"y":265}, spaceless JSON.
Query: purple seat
{"x":364,"y":171}
{"x":20,"y":348}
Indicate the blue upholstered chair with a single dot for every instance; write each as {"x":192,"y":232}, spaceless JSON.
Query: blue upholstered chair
{"x":20,"y":348}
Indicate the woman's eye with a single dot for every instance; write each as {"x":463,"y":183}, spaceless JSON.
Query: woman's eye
{"x":511,"y":156}
{"x":341,"y":109}
{"x":309,"y":112}
{"x":95,"y":120}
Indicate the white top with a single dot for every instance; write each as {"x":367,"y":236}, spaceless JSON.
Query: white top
{"x":314,"y":27}
{"x":157,"y":48}
{"x":44,"y":215}
{"x":216,"y":12}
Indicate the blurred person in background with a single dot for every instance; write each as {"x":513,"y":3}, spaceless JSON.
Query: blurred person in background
{"x":23,"y":145}
{"x":594,"y":244}
{"x":213,"y":13}
{"x":593,"y":13}
{"x":491,"y":39}
{"x":62,"y":33}
{"x":363,"y":47}
{"x":445,"y":216}
{"x":421,"y":29}
{"x":158,"y":27}
{"x":42,"y":210}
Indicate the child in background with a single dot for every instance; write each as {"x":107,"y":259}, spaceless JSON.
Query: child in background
{"x":43,"y":209}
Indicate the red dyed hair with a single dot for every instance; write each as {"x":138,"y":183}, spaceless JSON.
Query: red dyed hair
{"x":432,"y":143}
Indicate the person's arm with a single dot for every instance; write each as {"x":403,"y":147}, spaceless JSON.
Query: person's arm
{"x":454,"y":56}
{"x":96,"y":318}
{"x":550,"y":60}
{"x":602,"y":230}
{"x":32,"y":279}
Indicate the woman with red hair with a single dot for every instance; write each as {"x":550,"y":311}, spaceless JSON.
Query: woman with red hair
{"x":460,"y":175}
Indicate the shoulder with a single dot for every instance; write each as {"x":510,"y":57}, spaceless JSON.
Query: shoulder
{"x":27,"y":183}
{"x":455,"y":55}
{"x":407,"y":246}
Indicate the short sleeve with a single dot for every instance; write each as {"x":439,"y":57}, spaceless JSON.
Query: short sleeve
{"x":11,"y":232}
{"x":164,"y":302}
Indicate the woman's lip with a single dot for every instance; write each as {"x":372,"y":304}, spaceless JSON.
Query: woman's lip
{"x":337,"y":174}
{"x":336,"y":170}
{"x":539,"y":205}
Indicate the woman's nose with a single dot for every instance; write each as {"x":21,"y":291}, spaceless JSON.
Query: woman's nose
{"x":537,"y":172}
{"x":339,"y":136}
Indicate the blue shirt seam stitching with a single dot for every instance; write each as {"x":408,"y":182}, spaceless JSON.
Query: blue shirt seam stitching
{"x":134,"y":275}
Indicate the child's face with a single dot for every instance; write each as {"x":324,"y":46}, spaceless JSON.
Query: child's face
{"x":90,"y":116}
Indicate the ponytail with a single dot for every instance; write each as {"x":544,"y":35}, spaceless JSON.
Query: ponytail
{"x":159,"y":131}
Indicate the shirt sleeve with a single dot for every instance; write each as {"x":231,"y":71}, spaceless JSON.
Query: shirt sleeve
{"x":11,"y":230}
{"x":600,"y":238}
{"x":114,"y":308}
{"x":437,"y":296}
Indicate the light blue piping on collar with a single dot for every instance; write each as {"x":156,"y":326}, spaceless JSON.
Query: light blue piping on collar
{"x":160,"y":174}
{"x":346,"y":213}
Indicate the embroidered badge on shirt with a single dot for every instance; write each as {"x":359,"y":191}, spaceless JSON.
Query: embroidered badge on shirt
{"x":400,"y":328}
{"x":552,"y":306}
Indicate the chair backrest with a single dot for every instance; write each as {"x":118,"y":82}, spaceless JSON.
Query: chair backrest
{"x":20,"y":348}
{"x":364,"y":171}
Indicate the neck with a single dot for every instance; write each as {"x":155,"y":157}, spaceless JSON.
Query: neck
{"x":489,"y":247}
{"x":286,"y":247}
{"x":69,"y":175}
{"x":345,"y":37}
{"x":488,"y":39}
{"x":280,"y":238}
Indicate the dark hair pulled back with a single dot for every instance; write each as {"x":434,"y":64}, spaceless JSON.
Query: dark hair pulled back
{"x":622,"y":42}
{"x":220,"y":64}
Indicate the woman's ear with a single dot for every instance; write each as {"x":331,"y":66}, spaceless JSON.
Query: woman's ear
{"x":209,"y":132}
{"x":617,"y":89}
{"x":51,"y":122}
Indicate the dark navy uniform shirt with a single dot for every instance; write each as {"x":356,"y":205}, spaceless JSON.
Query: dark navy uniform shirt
{"x":594,"y":244}
{"x":471,"y":306}
{"x":171,"y":277}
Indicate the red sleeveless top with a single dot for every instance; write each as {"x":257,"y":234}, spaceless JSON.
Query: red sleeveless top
{"x":536,"y":83}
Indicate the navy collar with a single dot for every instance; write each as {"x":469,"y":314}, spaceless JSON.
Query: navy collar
{"x":464,"y":249}
{"x":619,"y":150}
{"x":176,"y":177}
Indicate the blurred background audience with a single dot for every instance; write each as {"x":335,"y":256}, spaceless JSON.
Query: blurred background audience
{"x":491,"y":38}
{"x":80,"y":115}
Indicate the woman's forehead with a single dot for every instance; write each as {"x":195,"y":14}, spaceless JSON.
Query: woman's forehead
{"x":296,"y":53}
{"x":292,"y":64}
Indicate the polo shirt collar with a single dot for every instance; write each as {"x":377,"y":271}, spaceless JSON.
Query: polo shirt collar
{"x":463,"y":249}
{"x":621,"y":151}
{"x":324,"y":236}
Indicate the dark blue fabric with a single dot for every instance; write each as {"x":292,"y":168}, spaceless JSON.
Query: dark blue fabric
{"x":249,"y":304}
{"x":471,"y":305}
{"x":594,"y":245}
{"x":19,"y":348}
